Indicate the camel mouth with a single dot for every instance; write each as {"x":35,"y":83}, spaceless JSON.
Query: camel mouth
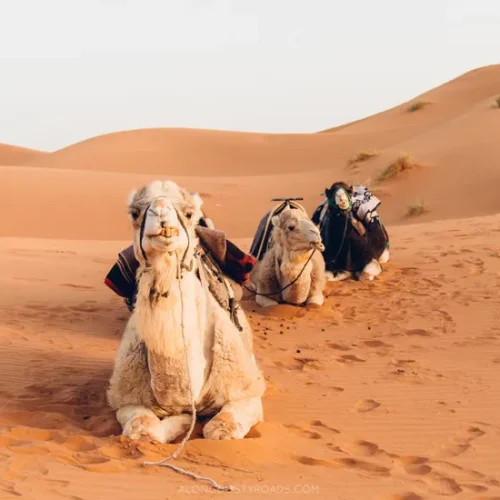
{"x":166,"y":236}
{"x":169,"y":232}
{"x":318,"y":246}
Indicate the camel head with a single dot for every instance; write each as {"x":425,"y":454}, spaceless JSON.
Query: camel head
{"x":295,"y":231}
{"x":164,"y":217}
{"x":339,"y":196}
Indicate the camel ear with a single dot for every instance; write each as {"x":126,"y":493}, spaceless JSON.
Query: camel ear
{"x":131,"y":197}
{"x":132,"y":209}
{"x":276,"y":221}
{"x":197,"y":201}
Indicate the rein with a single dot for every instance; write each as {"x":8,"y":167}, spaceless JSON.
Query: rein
{"x":289,"y":284}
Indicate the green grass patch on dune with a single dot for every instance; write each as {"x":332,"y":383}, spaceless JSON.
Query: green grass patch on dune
{"x":417,"y":208}
{"x":362,"y":156}
{"x":416,"y":106}
{"x":402,"y":163}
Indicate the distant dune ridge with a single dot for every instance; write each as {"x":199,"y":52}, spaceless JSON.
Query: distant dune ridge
{"x":456,"y":135}
{"x":15,"y":155}
{"x":394,"y":379}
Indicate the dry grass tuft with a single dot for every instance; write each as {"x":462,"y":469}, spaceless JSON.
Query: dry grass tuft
{"x":401,"y":164}
{"x":417,"y":106}
{"x":417,"y":208}
{"x":362,"y":156}
{"x":497,"y":100}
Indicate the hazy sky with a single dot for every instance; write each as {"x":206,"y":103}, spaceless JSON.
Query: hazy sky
{"x":72,"y":69}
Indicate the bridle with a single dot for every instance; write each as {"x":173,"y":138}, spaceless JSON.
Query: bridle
{"x":203,"y":258}
{"x":287,"y":286}
{"x":183,"y":225}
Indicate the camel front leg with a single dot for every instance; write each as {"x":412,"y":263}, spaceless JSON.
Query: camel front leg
{"x":235,"y":419}
{"x":318,"y":281}
{"x":140,"y":423}
{"x":264,"y":300}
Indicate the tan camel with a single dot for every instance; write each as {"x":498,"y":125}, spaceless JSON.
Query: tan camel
{"x":179,"y":344}
{"x":294,"y":238}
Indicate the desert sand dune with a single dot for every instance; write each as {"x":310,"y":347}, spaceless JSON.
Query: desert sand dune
{"x":455,"y":136}
{"x":389,"y":391}
{"x":392,"y":393}
{"x":15,"y":155}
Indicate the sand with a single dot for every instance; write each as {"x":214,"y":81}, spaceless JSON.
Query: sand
{"x":389,"y":391}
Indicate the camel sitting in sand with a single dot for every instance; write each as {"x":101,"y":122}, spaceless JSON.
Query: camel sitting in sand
{"x":181,"y":352}
{"x":293,"y":263}
{"x":356,"y":242}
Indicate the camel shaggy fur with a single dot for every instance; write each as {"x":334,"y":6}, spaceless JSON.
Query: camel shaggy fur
{"x":293,"y":239}
{"x":179,"y":344}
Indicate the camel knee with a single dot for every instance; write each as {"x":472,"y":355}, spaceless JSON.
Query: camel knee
{"x":384,"y":258}
{"x":140,"y":423}
{"x":235,"y":420}
{"x":175,"y":426}
{"x":263,"y":301}
{"x":339,"y":276}
{"x":317,"y":299}
{"x":371,"y":270}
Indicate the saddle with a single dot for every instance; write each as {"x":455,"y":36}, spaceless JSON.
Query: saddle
{"x":260,"y":243}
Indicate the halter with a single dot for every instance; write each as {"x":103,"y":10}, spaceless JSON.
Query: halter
{"x":331,"y":201}
{"x":141,"y":237}
{"x":206,"y":264}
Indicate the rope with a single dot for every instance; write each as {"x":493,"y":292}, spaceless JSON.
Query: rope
{"x":289,"y":284}
{"x":178,"y":451}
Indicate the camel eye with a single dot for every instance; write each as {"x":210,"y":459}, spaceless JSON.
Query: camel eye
{"x":291,"y":228}
{"x":134,"y":213}
{"x":189,"y":214}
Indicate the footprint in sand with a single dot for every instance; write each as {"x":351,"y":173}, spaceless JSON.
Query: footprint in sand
{"x":362,"y":448}
{"x":80,"y":444}
{"x":418,"y":469}
{"x":476,"y":488}
{"x":319,"y":423}
{"x":419,"y":332}
{"x":304,"y":460}
{"x":443,"y":486}
{"x":350,"y":358}
{"x":360,"y":465}
{"x":339,"y":347}
{"x":457,"y":472}
{"x":460,"y":443}
{"x":303,"y":432}
{"x":366,"y":405}
{"x":377,"y":343}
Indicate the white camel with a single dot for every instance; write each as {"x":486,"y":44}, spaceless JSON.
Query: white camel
{"x":293,"y":264}
{"x":180,"y":351}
